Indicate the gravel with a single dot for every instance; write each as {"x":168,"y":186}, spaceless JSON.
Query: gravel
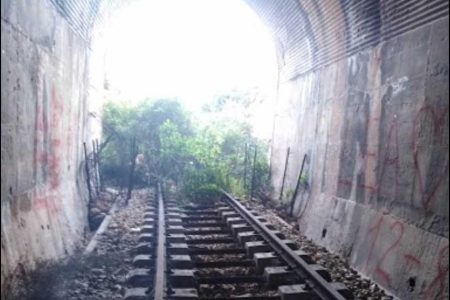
{"x":241,"y":290}
{"x":102,"y":274}
{"x":99,"y":275}
{"x":337,"y":266}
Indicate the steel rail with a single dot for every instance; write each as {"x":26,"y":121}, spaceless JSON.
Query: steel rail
{"x":317,"y":283}
{"x":161,"y":250}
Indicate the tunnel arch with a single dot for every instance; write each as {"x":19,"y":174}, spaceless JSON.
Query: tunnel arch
{"x":360,"y":82}
{"x":335,"y":57}
{"x":315,"y":33}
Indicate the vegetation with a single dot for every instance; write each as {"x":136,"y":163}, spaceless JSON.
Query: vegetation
{"x":170,"y":144}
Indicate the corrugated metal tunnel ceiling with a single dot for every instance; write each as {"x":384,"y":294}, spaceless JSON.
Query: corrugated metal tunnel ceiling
{"x":308,"y":34}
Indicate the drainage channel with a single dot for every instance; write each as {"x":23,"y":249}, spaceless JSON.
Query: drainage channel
{"x":223,"y":250}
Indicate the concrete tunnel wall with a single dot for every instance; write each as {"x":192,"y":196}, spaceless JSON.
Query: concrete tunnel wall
{"x":363,"y":92}
{"x":47,"y":105}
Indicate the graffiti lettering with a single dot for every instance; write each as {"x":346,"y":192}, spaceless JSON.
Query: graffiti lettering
{"x":442,"y":274}
{"x":379,"y":267}
{"x":412,"y":260}
{"x":438,"y":126}
{"x":376,"y":229}
{"x":435,"y":290}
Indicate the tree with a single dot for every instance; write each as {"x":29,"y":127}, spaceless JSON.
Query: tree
{"x":199,"y":159}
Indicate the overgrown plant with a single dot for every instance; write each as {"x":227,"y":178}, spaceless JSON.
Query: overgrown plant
{"x":199,"y":159}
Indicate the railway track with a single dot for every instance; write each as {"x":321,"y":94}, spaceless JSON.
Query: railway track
{"x":221,"y":250}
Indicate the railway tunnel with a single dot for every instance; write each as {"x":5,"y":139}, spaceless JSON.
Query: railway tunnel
{"x":362,"y":106}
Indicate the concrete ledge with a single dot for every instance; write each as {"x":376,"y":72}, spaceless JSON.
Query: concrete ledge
{"x":103,"y":226}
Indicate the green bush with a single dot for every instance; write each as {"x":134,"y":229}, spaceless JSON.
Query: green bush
{"x":200,"y":159}
{"x":202,"y":193}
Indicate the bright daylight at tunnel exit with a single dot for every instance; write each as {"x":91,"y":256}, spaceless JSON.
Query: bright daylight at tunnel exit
{"x":224,"y":149}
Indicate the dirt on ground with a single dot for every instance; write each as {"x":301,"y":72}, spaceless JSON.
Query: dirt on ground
{"x":101,"y":274}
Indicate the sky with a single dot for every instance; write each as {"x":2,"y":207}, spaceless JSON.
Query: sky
{"x":191,"y":50}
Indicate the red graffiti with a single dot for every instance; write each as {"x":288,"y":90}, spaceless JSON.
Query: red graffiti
{"x":412,"y":260}
{"x":376,"y":227}
{"x":345,"y":182}
{"x":379,"y":267}
{"x":439,"y":279}
{"x":368,"y":187}
{"x":53,"y":172}
{"x":52,"y":161}
{"x":40,"y":202}
{"x":371,"y":154}
{"x":48,"y":145}
{"x":390,"y":158}
{"x":44,"y":201}
{"x":362,"y":186}
{"x":437,"y":285}
{"x":438,"y":123}
{"x":55,"y":143}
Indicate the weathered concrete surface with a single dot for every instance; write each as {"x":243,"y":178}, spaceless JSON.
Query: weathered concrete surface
{"x":374,"y":127}
{"x":363,"y":92}
{"x":44,"y":121}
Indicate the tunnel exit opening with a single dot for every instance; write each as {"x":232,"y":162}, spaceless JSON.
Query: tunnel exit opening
{"x":361,"y":89}
{"x":194,"y":51}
